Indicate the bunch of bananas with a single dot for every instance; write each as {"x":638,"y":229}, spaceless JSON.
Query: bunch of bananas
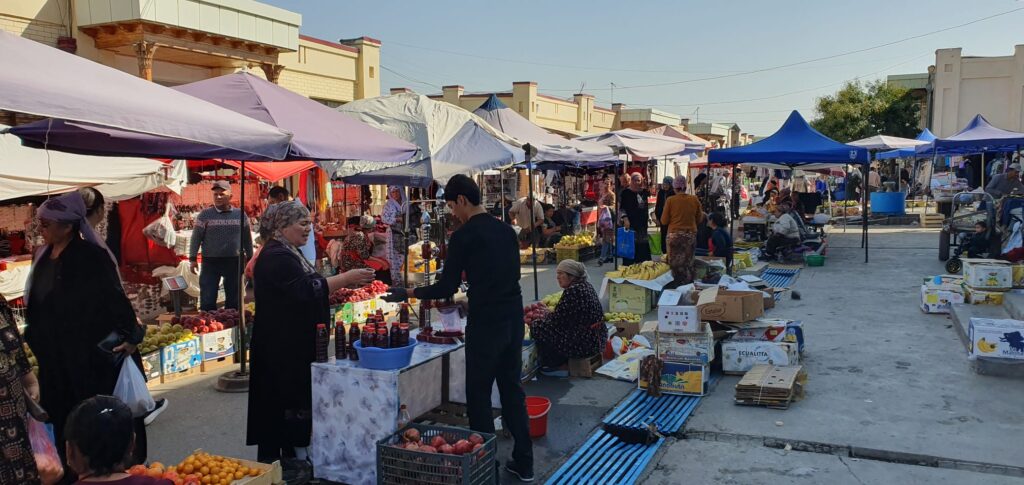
{"x":576,"y":241}
{"x":621,"y":317}
{"x":647,"y":270}
{"x":552,"y":300}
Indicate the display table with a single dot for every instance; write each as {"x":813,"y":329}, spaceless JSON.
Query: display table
{"x":353,"y":408}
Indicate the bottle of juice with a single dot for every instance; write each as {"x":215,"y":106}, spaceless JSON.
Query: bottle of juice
{"x":322,"y":339}
{"x":340,"y":345}
{"x":382,"y":338}
{"x":395,"y":335}
{"x":353,"y":336}
{"x":369,"y":336}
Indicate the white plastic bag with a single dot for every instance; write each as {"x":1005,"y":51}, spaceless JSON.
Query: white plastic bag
{"x":161,"y":231}
{"x":131,"y":389}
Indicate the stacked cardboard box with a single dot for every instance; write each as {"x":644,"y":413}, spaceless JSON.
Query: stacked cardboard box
{"x":985,"y":280}
{"x":939,"y":293}
{"x":682,"y":342}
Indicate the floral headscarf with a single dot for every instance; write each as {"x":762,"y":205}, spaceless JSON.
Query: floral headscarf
{"x":280,"y":216}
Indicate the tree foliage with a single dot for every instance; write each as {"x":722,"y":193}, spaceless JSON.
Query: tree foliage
{"x":859,"y":110}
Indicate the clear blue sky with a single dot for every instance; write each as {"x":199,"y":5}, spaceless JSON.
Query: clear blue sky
{"x":563,"y":44}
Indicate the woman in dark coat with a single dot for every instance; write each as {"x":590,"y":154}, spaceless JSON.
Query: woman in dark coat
{"x":291,"y":299}
{"x":75,"y":301}
{"x":576,"y":328}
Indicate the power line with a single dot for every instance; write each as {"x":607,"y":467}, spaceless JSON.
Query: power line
{"x":407,"y":78}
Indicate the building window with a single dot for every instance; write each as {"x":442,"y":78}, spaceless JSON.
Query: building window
{"x":373,"y":72}
{"x":302,"y":55}
{"x":947,"y":68}
{"x":327,"y":102}
{"x":556,"y":109}
{"x":520,"y":106}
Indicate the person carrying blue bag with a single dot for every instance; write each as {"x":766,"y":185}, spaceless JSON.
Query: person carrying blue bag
{"x":633,"y":215}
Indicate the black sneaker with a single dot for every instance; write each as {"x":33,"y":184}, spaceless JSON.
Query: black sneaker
{"x":523,"y":476}
{"x":161,"y":406}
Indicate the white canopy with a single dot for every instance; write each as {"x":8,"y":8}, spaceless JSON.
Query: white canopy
{"x":644,"y":144}
{"x":44,"y":81}
{"x":28,"y":171}
{"x":886,"y":142}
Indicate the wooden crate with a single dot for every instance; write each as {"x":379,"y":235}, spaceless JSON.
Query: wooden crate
{"x":932,"y":219}
{"x":585,"y":367}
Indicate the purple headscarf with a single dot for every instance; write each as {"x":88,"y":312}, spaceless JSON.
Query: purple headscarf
{"x":70,"y":208}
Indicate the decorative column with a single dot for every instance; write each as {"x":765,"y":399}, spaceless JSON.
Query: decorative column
{"x":144,"y":54}
{"x":272,"y":71}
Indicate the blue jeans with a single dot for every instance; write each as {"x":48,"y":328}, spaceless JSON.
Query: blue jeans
{"x":607,"y":250}
{"x":210,"y":274}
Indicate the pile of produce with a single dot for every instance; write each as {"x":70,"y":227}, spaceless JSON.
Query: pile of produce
{"x":167,"y":334}
{"x":534,"y":312}
{"x":348,"y":295}
{"x":200,"y":324}
{"x":576,"y":241}
{"x":552,"y":300}
{"x":647,"y":270}
{"x":411,"y":441}
{"x":199,"y":469}
{"x":622,"y":317}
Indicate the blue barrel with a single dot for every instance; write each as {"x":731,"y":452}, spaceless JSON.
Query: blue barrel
{"x":889,"y":203}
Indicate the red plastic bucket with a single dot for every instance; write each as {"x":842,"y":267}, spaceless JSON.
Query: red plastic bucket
{"x":537,"y":408}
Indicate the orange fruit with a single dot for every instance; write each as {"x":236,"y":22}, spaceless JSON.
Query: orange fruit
{"x":204,"y":470}
{"x":254,"y":472}
{"x":188,"y":468}
{"x":205,"y":481}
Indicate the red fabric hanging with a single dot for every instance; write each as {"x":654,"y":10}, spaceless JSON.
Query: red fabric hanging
{"x":273,"y":171}
{"x":135,"y":247}
{"x":304,"y":188}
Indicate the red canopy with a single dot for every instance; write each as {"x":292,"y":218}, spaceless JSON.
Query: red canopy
{"x":273,"y":171}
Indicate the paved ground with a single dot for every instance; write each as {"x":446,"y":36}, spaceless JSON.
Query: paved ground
{"x":883,"y":376}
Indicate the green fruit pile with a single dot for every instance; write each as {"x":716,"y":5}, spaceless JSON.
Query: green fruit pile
{"x":164,"y":335}
{"x":552,"y":300}
{"x":622,"y":317}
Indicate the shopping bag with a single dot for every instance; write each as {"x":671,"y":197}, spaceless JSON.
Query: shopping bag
{"x":624,"y":243}
{"x":655,"y":244}
{"x":131,"y":389}
{"x":43,"y":450}
{"x":161,"y":231}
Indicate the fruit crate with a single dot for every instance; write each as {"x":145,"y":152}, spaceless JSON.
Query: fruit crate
{"x":400,"y":466}
{"x":579,"y":254}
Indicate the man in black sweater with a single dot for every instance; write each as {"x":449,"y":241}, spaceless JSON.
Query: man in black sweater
{"x":633,"y":209}
{"x":487,"y":251}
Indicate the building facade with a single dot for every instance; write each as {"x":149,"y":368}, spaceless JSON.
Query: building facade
{"x":919,"y":88}
{"x":174,"y":42}
{"x":571,"y":117}
{"x":723,"y":135}
{"x":644,"y":119}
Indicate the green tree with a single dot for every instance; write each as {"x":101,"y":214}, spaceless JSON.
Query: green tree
{"x":859,"y":110}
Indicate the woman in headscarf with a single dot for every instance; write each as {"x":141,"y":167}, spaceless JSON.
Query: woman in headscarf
{"x":291,"y":298}
{"x":75,"y":302}
{"x":576,"y":328}
{"x":683,"y":215}
{"x":356,"y":249}
{"x":394,"y":216}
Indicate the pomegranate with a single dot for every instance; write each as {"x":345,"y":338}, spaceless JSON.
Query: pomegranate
{"x":462,"y":447}
{"x":411,"y":435}
{"x":438,"y":441}
{"x":476,"y":439}
{"x":447,"y":449}
{"x":428,"y":449}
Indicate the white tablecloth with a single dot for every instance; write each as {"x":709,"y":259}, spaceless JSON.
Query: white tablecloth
{"x":353,"y":408}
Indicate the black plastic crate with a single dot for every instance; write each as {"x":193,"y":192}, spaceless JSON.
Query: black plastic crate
{"x":401,"y":466}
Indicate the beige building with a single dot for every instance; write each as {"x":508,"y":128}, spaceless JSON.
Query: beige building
{"x":644,"y":119}
{"x":965,"y":86}
{"x":723,"y":135}
{"x":572,"y":117}
{"x":180,"y":41}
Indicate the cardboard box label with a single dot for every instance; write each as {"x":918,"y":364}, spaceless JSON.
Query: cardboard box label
{"x":181,"y":356}
{"x":988,"y":274}
{"x":992,"y":338}
{"x":682,"y":378}
{"x":739,"y":356}
{"x":676,"y":314}
{"x":627,"y":297}
{"x":218,"y":344}
{"x":151,"y":367}
{"x":936,"y":300}
{"x":730,"y":306}
{"x":982,"y":297}
{"x":687,"y":347}
{"x":1018,"y":276}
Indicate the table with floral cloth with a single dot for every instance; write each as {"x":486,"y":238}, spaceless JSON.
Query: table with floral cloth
{"x":353,"y":408}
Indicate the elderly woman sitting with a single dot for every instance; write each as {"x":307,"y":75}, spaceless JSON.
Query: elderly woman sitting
{"x":356,"y":249}
{"x":576,"y":328}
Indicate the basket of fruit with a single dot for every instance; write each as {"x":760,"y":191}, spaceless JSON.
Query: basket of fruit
{"x":384,"y":358}
{"x":439,"y":455}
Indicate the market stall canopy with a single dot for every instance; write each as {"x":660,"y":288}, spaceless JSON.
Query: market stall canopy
{"x":925,"y":137}
{"x":978,"y":136}
{"x":27,"y":172}
{"x":273,"y":172}
{"x":550,"y":147}
{"x":99,"y":110}
{"x":643,"y":144}
{"x":795,"y":144}
{"x":676,"y":131}
{"x":451,"y":140}
{"x":886,"y":142}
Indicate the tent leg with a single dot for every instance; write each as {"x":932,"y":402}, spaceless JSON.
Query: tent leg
{"x":408,"y":208}
{"x":242,"y":360}
{"x":533,"y":237}
{"x":618,"y":214}
{"x":864,"y":209}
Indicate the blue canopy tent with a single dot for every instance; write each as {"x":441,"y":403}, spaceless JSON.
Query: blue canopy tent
{"x":797,"y":145}
{"x":979,"y":136}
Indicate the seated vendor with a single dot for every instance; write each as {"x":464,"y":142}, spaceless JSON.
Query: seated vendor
{"x":355,"y":249}
{"x":576,"y":328}
{"x":720,"y":243}
{"x":1006,"y":183}
{"x":785,"y":231}
{"x":550,"y":231}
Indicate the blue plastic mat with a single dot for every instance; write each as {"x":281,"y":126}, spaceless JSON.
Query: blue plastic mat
{"x":776,"y":277}
{"x":605,"y":459}
{"x":667,"y":412}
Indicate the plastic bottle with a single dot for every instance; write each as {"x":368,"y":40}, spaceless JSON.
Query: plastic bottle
{"x":353,"y":336}
{"x":403,"y":417}
{"x":369,"y":338}
{"x":403,"y":335}
{"x":340,"y":345}
{"x":383,"y":341}
{"x":322,"y":339}
{"x":403,"y":313}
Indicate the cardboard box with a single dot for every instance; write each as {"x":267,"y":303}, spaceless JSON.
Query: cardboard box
{"x":939,"y":298}
{"x":627,"y":329}
{"x":982,"y":297}
{"x":987,"y":274}
{"x":151,"y":367}
{"x":627,"y":297}
{"x":738,"y":356}
{"x":769,"y":298}
{"x":676,"y":314}
{"x":218,"y":344}
{"x":530,"y":360}
{"x":771,"y":330}
{"x":181,"y":356}
{"x":687,"y":379}
{"x":686,"y":347}
{"x":992,"y":338}
{"x":1018,"y":275}
{"x":730,"y":306}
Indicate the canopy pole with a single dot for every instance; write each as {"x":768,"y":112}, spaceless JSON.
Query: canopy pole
{"x":618,"y":213}
{"x":982,"y":169}
{"x":242,"y":360}
{"x":864,"y":219}
{"x":501,"y":192}
{"x":408,"y":209}
{"x":533,"y":203}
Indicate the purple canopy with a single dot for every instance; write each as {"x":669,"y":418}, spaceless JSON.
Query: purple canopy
{"x":319,"y":132}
